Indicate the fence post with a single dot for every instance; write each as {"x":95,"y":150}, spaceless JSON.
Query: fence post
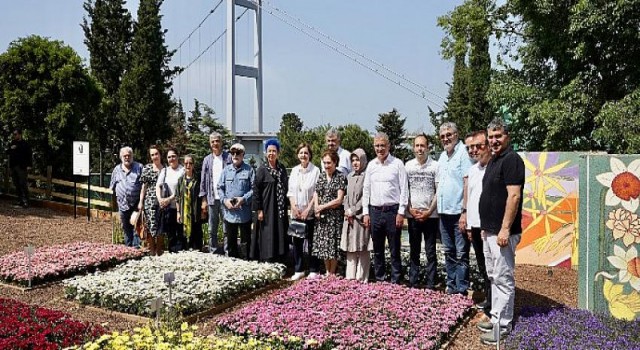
{"x":49,"y":187}
{"x":5,"y":178}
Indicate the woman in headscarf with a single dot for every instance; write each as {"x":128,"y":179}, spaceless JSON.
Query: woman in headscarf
{"x":269,"y":241}
{"x":356,"y":239}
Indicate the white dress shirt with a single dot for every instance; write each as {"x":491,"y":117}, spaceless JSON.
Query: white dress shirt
{"x":474,"y":183}
{"x":385,"y":184}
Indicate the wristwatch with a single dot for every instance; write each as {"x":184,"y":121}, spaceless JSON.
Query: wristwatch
{"x":464,"y":210}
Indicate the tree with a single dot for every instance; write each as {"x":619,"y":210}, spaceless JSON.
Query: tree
{"x":468,"y":28}
{"x":353,"y":137}
{"x":48,"y":92}
{"x":108,"y":34}
{"x":145,"y":93}
{"x":392,"y":124}
{"x":290,"y":136}
{"x":576,"y":69}
{"x":201,"y":123}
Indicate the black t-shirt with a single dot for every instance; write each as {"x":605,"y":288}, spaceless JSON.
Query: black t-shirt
{"x":502,"y":170}
{"x":19,"y":153}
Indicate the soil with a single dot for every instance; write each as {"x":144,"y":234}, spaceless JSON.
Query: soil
{"x":536,"y":285}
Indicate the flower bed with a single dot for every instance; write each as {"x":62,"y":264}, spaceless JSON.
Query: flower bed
{"x":169,"y":338}
{"x":202,"y":281}
{"x":560,"y":328}
{"x":343,"y":314}
{"x":29,"y":327}
{"x":58,"y":262}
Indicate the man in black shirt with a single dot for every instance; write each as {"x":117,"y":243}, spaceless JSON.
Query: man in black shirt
{"x":19,"y":154}
{"x":500,"y":221}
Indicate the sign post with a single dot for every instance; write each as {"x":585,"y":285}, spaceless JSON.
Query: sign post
{"x":28,"y":251}
{"x":82,"y":167}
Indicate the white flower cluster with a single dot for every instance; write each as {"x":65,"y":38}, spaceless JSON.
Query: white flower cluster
{"x":201,"y":282}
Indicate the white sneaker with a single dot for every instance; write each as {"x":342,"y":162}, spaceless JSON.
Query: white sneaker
{"x":313,"y":275}
{"x":296,"y":276}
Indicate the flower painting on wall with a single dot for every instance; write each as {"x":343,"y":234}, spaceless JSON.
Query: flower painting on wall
{"x":619,"y":274}
{"x":549,"y":209}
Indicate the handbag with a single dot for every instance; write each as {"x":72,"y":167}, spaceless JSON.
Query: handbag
{"x":162,"y":214}
{"x":297,"y":229}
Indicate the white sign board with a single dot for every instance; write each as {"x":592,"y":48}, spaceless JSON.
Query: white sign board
{"x":81,"y":158}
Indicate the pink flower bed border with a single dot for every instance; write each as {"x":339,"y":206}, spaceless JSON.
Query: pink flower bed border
{"x":61,"y":261}
{"x":343,"y":314}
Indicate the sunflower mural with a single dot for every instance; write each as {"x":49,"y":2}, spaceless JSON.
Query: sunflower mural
{"x":612,"y":240}
{"x":549,"y":209}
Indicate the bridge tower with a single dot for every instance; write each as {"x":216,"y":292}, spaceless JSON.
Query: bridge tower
{"x":233,"y":69}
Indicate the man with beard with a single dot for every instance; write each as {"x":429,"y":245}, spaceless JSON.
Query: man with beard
{"x":235,"y":192}
{"x":500,"y":221}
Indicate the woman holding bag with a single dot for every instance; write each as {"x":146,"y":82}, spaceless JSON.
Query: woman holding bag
{"x":165,"y":190}
{"x":149,"y":202}
{"x":302,"y":186}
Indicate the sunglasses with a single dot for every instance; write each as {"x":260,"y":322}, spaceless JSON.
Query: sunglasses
{"x":235,"y":152}
{"x":447,"y":135}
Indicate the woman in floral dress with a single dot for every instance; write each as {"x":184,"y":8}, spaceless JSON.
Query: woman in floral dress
{"x":149,"y":177}
{"x":330,"y":191}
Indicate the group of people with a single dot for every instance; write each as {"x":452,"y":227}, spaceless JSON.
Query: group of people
{"x":470,"y":196}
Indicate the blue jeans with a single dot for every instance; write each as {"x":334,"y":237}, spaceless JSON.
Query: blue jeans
{"x":383,"y":226}
{"x":130,"y":238}
{"x":418,"y":229}
{"x":456,"y":252}
{"x":215,"y":215}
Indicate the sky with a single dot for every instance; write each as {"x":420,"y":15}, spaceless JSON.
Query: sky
{"x":300,"y":75}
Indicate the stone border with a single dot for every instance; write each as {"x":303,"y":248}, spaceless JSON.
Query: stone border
{"x":27,"y":289}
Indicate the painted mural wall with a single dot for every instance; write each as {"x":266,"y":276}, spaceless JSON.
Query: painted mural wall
{"x":550,"y":209}
{"x":609,"y":272}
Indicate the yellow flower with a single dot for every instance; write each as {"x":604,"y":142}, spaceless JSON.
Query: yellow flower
{"x":625,"y":225}
{"x":621,"y":306}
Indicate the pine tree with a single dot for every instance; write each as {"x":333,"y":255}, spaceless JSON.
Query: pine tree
{"x":145,"y":93}
{"x":108,"y":30}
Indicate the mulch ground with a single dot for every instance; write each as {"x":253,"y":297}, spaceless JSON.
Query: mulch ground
{"x":536,"y":285}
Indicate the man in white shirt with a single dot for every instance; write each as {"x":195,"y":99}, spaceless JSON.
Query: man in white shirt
{"x":384,"y":201}
{"x":479,"y":149}
{"x":422,"y":214}
{"x":212,"y":167}
{"x":332,"y":138}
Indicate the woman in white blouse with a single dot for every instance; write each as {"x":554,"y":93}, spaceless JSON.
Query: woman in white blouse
{"x":165,"y":191}
{"x":302,"y":186}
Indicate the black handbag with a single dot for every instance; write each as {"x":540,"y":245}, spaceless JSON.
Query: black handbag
{"x":162,"y":214}
{"x":297,"y":229}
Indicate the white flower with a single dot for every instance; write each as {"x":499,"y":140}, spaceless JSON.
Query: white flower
{"x":623,"y":183}
{"x":629,"y":265}
{"x":201,"y":281}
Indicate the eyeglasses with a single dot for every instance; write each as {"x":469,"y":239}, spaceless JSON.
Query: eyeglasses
{"x":171,"y":157}
{"x":447,"y":135}
{"x":188,"y":162}
{"x":477,"y":145}
{"x":235,"y":152}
